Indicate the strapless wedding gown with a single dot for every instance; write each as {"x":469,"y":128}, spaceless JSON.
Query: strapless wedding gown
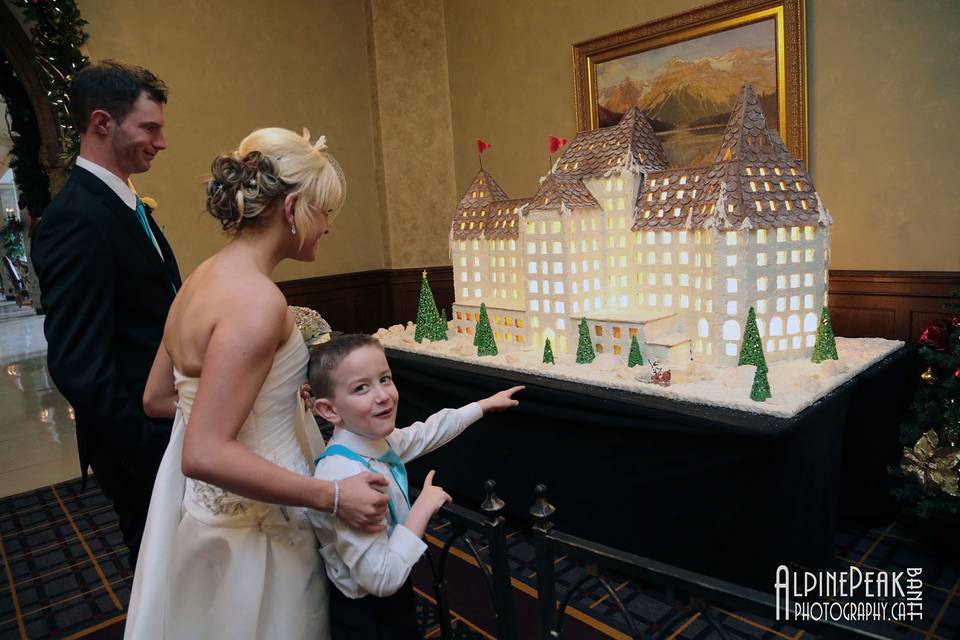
{"x":216,"y":565}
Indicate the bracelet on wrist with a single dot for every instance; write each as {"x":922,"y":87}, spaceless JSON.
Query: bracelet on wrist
{"x":336,"y":498}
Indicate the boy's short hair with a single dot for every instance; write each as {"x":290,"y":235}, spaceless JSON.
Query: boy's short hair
{"x":113,"y":87}
{"x":325,"y":358}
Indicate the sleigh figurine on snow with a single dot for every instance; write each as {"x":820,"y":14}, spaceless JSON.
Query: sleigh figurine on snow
{"x":660,"y":375}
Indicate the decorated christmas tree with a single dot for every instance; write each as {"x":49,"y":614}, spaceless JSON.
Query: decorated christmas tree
{"x":548,"y":353}
{"x":483,"y":335}
{"x":825,"y":348}
{"x":761,"y":386}
{"x":585,"y":354}
{"x":441,"y":328}
{"x":635,"y":356}
{"x":751,"y":348}
{"x":428,"y":320}
{"x":930,"y":466}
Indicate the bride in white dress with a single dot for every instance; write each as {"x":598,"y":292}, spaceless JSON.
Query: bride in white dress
{"x":228,"y":551}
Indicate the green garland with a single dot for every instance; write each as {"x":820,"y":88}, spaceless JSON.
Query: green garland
{"x":56,"y":32}
{"x":30,"y":175}
{"x":11,"y":239}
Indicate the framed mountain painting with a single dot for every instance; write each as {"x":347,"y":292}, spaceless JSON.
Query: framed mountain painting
{"x":685,"y":72}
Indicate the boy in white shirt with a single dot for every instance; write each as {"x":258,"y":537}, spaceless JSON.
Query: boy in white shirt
{"x":351,"y":380}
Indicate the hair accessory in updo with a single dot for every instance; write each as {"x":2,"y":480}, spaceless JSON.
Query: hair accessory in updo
{"x":320,"y":146}
{"x":241,"y":188}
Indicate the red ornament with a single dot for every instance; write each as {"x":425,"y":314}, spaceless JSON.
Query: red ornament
{"x":956,"y":374}
{"x":556,"y":143}
{"x":482,"y":146}
{"x":935,"y":335}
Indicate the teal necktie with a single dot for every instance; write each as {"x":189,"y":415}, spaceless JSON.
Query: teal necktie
{"x":398,"y":471}
{"x":142,"y":217}
{"x":390,"y":458}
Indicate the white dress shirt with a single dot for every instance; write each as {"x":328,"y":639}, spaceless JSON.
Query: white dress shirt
{"x":124,"y":190}
{"x":360,"y":563}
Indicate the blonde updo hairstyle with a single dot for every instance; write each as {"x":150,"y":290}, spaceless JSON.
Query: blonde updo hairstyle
{"x":268,"y":165}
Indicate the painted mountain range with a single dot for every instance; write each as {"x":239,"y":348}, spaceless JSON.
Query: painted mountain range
{"x":688,"y":93}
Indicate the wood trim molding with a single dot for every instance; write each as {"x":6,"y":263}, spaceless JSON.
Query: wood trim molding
{"x":367,"y":300}
{"x":886,"y":304}
{"x":889,"y":304}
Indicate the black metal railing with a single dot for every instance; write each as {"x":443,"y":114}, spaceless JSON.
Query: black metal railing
{"x":690,"y":592}
{"x":492,"y":527}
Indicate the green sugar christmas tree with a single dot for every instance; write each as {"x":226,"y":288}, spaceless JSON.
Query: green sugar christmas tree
{"x":751,"y":347}
{"x":428,"y":320}
{"x":761,"y":386}
{"x":585,"y":354}
{"x":825,"y":348}
{"x":483,"y":335}
{"x":442,"y":326}
{"x":548,"y":353}
{"x":635,"y":356}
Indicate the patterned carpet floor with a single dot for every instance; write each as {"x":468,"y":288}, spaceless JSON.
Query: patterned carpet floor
{"x":65,"y":575}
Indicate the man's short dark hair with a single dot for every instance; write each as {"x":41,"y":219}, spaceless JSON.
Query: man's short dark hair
{"x":325,"y":358}
{"x":113,"y":87}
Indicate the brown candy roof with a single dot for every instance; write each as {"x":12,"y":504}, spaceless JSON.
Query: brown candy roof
{"x":629,"y":145}
{"x":557,"y":192}
{"x":754,"y":182}
{"x":472,"y":214}
{"x":504,"y":217}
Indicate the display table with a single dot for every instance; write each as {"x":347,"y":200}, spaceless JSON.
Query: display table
{"x":727,"y":493}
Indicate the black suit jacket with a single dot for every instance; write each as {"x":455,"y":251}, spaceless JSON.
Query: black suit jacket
{"x":106,"y":293}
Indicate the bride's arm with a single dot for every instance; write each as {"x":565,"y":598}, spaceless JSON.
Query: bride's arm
{"x":237,"y":360}
{"x":160,"y":394}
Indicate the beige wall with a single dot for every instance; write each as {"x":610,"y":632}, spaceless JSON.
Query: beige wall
{"x":402,"y":89}
{"x":412,"y":127}
{"x":884,"y":84}
{"x":233,"y":66}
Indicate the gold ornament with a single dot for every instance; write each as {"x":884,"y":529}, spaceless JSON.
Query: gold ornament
{"x":929,"y":376}
{"x":934,"y":468}
{"x":314,"y":329}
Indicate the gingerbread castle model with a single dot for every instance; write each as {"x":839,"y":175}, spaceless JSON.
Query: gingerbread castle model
{"x":675,"y":257}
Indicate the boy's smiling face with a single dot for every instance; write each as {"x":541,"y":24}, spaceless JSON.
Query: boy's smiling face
{"x":364,"y":399}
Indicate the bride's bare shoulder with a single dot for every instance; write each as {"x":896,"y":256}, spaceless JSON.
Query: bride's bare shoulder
{"x":239,"y":304}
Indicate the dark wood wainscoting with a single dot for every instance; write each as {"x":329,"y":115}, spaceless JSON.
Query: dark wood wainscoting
{"x":367,"y":300}
{"x":889,"y":304}
{"x":886,"y":304}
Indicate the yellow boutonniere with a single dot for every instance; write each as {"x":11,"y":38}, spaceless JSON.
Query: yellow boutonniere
{"x":149,"y":203}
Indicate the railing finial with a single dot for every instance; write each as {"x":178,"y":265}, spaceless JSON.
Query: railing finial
{"x":492,"y":504}
{"x":541,"y":509}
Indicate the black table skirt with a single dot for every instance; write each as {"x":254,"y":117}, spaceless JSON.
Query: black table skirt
{"x":723,"y":492}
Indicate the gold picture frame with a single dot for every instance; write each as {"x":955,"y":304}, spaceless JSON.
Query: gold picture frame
{"x":704,"y":29}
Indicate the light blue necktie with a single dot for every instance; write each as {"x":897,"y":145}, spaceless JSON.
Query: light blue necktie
{"x":390,"y":458}
{"x":142,"y":217}
{"x":398,"y":471}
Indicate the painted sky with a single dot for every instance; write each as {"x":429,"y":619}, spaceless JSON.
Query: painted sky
{"x":647,"y":64}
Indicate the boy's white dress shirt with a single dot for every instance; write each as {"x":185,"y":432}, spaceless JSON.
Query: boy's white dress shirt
{"x":360,"y":563}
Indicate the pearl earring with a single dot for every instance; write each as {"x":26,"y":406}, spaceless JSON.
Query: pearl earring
{"x":293,"y":229}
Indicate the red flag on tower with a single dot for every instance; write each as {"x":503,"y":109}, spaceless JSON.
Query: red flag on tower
{"x":556,"y":143}
{"x":481,"y":147}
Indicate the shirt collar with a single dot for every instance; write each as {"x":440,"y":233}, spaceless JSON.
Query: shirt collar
{"x":124,"y":190}
{"x":359,"y":444}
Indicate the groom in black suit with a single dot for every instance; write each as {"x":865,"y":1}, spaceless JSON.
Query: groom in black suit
{"x":108,"y":277}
